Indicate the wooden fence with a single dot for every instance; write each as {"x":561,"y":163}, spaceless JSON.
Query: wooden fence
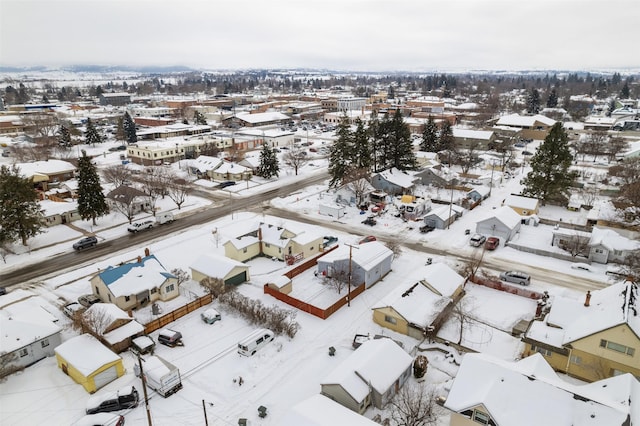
{"x":178,"y":313}
{"x":498,"y":285}
{"x":311,"y":309}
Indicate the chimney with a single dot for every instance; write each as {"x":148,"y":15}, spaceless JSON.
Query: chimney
{"x":146,"y":252}
{"x":139,"y":259}
{"x":587,"y":298}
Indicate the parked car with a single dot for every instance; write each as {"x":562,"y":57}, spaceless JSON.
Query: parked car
{"x":140,"y":226}
{"x":101,"y":419}
{"x":122,"y":399}
{"x":369,"y":221}
{"x":426,"y":228}
{"x":226,"y":184}
{"x":477,"y":240}
{"x":87,"y":300}
{"x":329,"y":240}
{"x":118,"y":148}
{"x":367,"y":239}
{"x":516,"y":277}
{"x":170,"y":338}
{"x":70,"y":309}
{"x":581,"y":266}
{"x":84,"y":243}
{"x":492,"y":243}
{"x":3,"y":291}
{"x":210,"y":316}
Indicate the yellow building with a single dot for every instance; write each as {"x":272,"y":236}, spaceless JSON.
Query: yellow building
{"x":88,"y":362}
{"x":593,"y":338}
{"x":524,"y":206}
{"x":228,"y":270}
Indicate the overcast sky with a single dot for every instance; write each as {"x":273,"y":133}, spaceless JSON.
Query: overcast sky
{"x":360,"y":35}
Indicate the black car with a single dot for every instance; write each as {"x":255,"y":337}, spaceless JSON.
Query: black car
{"x":369,"y":221}
{"x":118,"y":148}
{"x":123,"y":399}
{"x":86,"y":242}
{"x":225,"y":184}
{"x":426,"y":228}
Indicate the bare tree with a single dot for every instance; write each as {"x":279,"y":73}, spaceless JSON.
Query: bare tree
{"x":471,"y":267}
{"x":338,"y":279}
{"x":180,"y":274}
{"x":461,"y":313}
{"x":575,"y":245}
{"x":631,"y":267}
{"x":357,"y":180}
{"x":415,"y":405}
{"x":209,"y":149}
{"x":117,"y":175}
{"x":295,"y":158}
{"x":155,"y":184}
{"x":178,"y":190}
{"x":43,"y":126}
{"x":467,"y":158}
{"x":6,"y":364}
{"x":395,"y":246}
{"x":616,"y":145}
{"x":124,"y":202}
{"x":215,"y":286}
{"x":589,"y":195}
{"x":30,"y":152}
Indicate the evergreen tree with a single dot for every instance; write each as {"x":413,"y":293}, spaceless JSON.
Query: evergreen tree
{"x":533,"y":102}
{"x":91,"y":202}
{"x":446,"y":141}
{"x":269,"y":166}
{"x":64,"y":138}
{"x":20,"y":214}
{"x":550,"y":177}
{"x":400,"y":145}
{"x":552,"y":100}
{"x":612,"y":107}
{"x":383,"y":140}
{"x":624,"y":92}
{"x":129,"y":129}
{"x":429,"y":141}
{"x":340,"y":153}
{"x":361,"y":148}
{"x":373,"y":132}
{"x":199,"y":119}
{"x":91,"y":134}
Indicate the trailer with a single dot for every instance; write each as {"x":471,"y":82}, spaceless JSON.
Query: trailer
{"x":162,"y":376}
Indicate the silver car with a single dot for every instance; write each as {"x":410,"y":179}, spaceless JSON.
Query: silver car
{"x":516,"y":277}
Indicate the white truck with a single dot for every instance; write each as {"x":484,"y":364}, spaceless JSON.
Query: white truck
{"x":162,"y":376}
{"x":164,"y":217}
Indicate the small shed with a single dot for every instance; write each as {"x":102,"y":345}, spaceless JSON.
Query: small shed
{"x":281,"y":284}
{"x":231,"y":271}
{"x":88,"y":362}
{"x":524,"y":206}
{"x":441,"y":217}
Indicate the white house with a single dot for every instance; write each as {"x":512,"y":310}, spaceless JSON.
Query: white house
{"x":369,"y":262}
{"x":503,"y":223}
{"x":606,"y":246}
{"x":371,"y":375}
{"x":318,"y":410}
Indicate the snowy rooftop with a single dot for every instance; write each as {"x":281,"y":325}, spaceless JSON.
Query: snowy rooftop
{"x":505,"y":215}
{"x":262,"y":117}
{"x":45,"y":167}
{"x":86,"y":353}
{"x":397,"y":177}
{"x":612,"y":240}
{"x":214,"y":265}
{"x":524,"y":120}
{"x":132,"y":278}
{"x":17,"y":333}
{"x":520,"y":201}
{"x":472,"y":134}
{"x":367,"y":255}
{"x":318,"y":410}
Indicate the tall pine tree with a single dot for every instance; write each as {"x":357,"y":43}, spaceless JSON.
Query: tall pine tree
{"x":91,"y":134}
{"x":340,"y":153}
{"x":550,"y":177}
{"x":400,"y":145}
{"x":269,"y":166}
{"x":361,"y":148}
{"x":91,"y":202}
{"x":429,"y":141}
{"x":64,"y":136}
{"x":20,"y":214}
{"x":129,"y":129}
{"x":533,"y":102}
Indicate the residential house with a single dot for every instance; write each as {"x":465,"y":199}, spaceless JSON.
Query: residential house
{"x":368,"y":263}
{"x":231,"y":171}
{"x":135,"y":285}
{"x":264,"y":239}
{"x":479,"y":193}
{"x":394,"y":181}
{"x":417,"y":308}
{"x":473,"y":140}
{"x":318,"y":410}
{"x":251,"y":162}
{"x":535,"y":127}
{"x":29,"y":334}
{"x":503,"y":223}
{"x":112,"y":326}
{"x":524,"y":206}
{"x":47,"y":174}
{"x":438,"y":176}
{"x":592,"y":338}
{"x":354,"y":192}
{"x":128,"y":199}
{"x":492,"y":391}
{"x":371,"y":375}
{"x":606,"y":245}
{"x":232,"y":272}
{"x":59,"y":212}
{"x":203,"y":166}
{"x":88,"y":362}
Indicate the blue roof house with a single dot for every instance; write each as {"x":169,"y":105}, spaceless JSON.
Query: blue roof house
{"x":135,"y":285}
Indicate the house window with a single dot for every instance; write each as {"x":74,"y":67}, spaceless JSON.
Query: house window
{"x":170,"y":288}
{"x":480,"y":417}
{"x":576,"y":359}
{"x":127,"y":298}
{"x":23,"y":352}
{"x":109,"y":297}
{"x":154,"y":290}
{"x":617,"y":347}
{"x":543,"y":351}
{"x":267,"y":245}
{"x":390,"y":319}
{"x":97,"y":290}
{"x":44,"y":343}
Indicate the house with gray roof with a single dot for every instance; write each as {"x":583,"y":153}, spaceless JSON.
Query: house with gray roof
{"x":369,"y":263}
{"x":503,"y":223}
{"x":394,"y":181}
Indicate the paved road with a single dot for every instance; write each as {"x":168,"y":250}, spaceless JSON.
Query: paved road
{"x":224,"y":206}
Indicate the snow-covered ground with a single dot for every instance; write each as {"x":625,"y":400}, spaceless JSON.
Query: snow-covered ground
{"x":288,"y":370}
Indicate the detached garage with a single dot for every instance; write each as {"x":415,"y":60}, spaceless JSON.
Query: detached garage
{"x":88,"y":362}
{"x":503,"y":223}
{"x":230,"y":271}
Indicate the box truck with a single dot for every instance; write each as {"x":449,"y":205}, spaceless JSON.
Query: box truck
{"x":162,"y":376}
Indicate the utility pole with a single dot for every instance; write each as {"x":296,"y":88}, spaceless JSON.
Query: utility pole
{"x":206,"y":422}
{"x":349,"y":277}
{"x":144,"y":388}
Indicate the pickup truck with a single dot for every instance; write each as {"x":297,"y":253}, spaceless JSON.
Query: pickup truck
{"x":140,"y":226}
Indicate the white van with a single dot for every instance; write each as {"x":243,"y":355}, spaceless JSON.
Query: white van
{"x":254,"y":341}
{"x":164,"y":217}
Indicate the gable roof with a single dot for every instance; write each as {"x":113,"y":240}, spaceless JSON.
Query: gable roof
{"x":20,"y":332}
{"x":524,"y":120}
{"x":319,"y":410}
{"x":612,"y":240}
{"x":521,"y":202}
{"x":505,"y":215}
{"x":513,"y":393}
{"x":376,"y":363}
{"x":131,"y":278}
{"x":398,"y":177}
{"x":367,"y":256}
{"x":216,"y":266}
{"x":86,"y":353}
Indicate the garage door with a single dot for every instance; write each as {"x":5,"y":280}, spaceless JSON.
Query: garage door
{"x":105,"y":377}
{"x":237,"y":279}
{"x":489,"y":231}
